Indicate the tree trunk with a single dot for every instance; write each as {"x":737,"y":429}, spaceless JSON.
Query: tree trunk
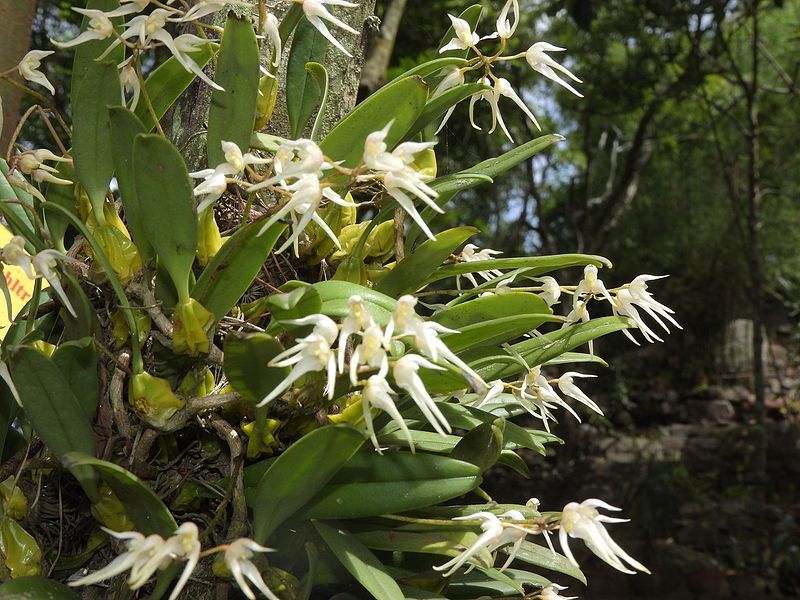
{"x":374,"y":74}
{"x":17,"y":19}
{"x":186,"y":122}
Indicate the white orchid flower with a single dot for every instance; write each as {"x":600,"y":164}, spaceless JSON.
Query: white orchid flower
{"x":311,"y":353}
{"x":583,"y":521}
{"x":551,"y":592}
{"x":590,"y":287}
{"x":293,"y":159}
{"x":358,"y":319}
{"x":140,"y":550}
{"x":377,"y":393}
{"x":465,"y":37}
{"x":208,"y":7}
{"x":496,"y":534}
{"x":100,"y":27}
{"x":405,"y":375}
{"x":625,"y":305}
{"x":28,"y":68}
{"x":567,"y":386}
{"x":506,"y":29}
{"x":14,"y":253}
{"x":454,"y":78}
{"x":501,"y":88}
{"x":471,"y":253}
{"x":369,"y":352}
{"x":183,"y":45}
{"x":271,"y":31}
{"x":540,"y":62}
{"x":129,"y":85}
{"x":237,"y":559}
{"x":315,"y":12}
{"x":641,"y":297}
{"x":44,"y":264}
{"x":551,"y":290}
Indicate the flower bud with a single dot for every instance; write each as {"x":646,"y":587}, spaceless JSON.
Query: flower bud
{"x":153,"y":399}
{"x":22,"y":554}
{"x":209,"y":241}
{"x":15,"y":504}
{"x":109,"y":511}
{"x":27,"y":163}
{"x":191,"y":324}
{"x":120,"y":332}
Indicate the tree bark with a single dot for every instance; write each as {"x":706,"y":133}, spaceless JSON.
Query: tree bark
{"x":374,"y":74}
{"x":17,"y":19}
{"x":186,"y":122}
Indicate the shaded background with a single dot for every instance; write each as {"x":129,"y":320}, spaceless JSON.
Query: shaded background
{"x":682,"y":159}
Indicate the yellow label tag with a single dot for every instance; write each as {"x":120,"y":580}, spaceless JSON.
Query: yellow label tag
{"x":19,"y":284}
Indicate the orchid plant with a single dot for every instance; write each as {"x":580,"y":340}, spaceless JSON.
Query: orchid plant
{"x":305,"y":393}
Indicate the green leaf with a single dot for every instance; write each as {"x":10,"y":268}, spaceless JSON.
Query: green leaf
{"x":401,"y":480}
{"x":514,"y":461}
{"x":295,"y":301}
{"x":19,"y":218}
{"x":335,"y":293}
{"x":360,"y":562}
{"x":406,"y":97}
{"x":450,"y":185}
{"x":164,"y":193}
{"x":534,"y":265}
{"x":471,"y":15}
{"x":299,"y":473}
{"x":482,"y":445}
{"x":234,"y":267}
{"x":495,"y":331}
{"x":478,"y":583}
{"x":145,"y":508}
{"x":91,"y":131}
{"x":441,"y":541}
{"x":233,"y":112}
{"x":535,"y":351}
{"x":303,"y":92}
{"x":424,"y":441}
{"x":35,"y":588}
{"x":86,"y":53}
{"x":436,"y":107}
{"x":541,"y":556}
{"x":125,"y":126}
{"x":410,"y":272}
{"x":487,"y":308}
{"x":246,"y":359}
{"x":8,"y":412}
{"x":63,"y":195}
{"x":320,"y":75}
{"x":50,"y":405}
{"x":431,"y":67}
{"x":85,"y":324}
{"x":166,"y":84}
{"x":78,"y":360}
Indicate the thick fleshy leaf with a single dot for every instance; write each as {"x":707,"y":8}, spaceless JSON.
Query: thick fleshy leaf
{"x":165,"y":85}
{"x":437,"y":107}
{"x":35,"y":588}
{"x":533,"y":265}
{"x":442,"y":542}
{"x":19,"y":218}
{"x":85,"y":323}
{"x":495,"y":363}
{"x":431,"y":67}
{"x":295,"y":301}
{"x":424,"y":441}
{"x":246,"y":359}
{"x":300,"y":473}
{"x":334,"y":295}
{"x":482,"y":445}
{"x":514,"y":461}
{"x":57,"y":416}
{"x":145,"y":508}
{"x":65,"y":196}
{"x":85,"y":55}
{"x":360,"y":562}
{"x":487,"y":308}
{"x":77,"y":360}
{"x":125,"y":126}
{"x":409,"y":273}
{"x":164,"y":193}
{"x":91,"y":131}
{"x":234,"y":267}
{"x":401,"y":480}
{"x":495,"y":331}
{"x":478,"y":584}
{"x":541,"y":556}
{"x":471,"y":15}
{"x":232,"y":112}
{"x":450,"y":185}
{"x":8,"y":412}
{"x":303,"y":93}
{"x":406,"y":97}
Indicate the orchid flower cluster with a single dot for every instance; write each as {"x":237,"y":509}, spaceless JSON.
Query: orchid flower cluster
{"x":375,"y":348}
{"x":483,"y":63}
{"x":146,"y":555}
{"x":303,"y":179}
{"x":577,"y":520}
